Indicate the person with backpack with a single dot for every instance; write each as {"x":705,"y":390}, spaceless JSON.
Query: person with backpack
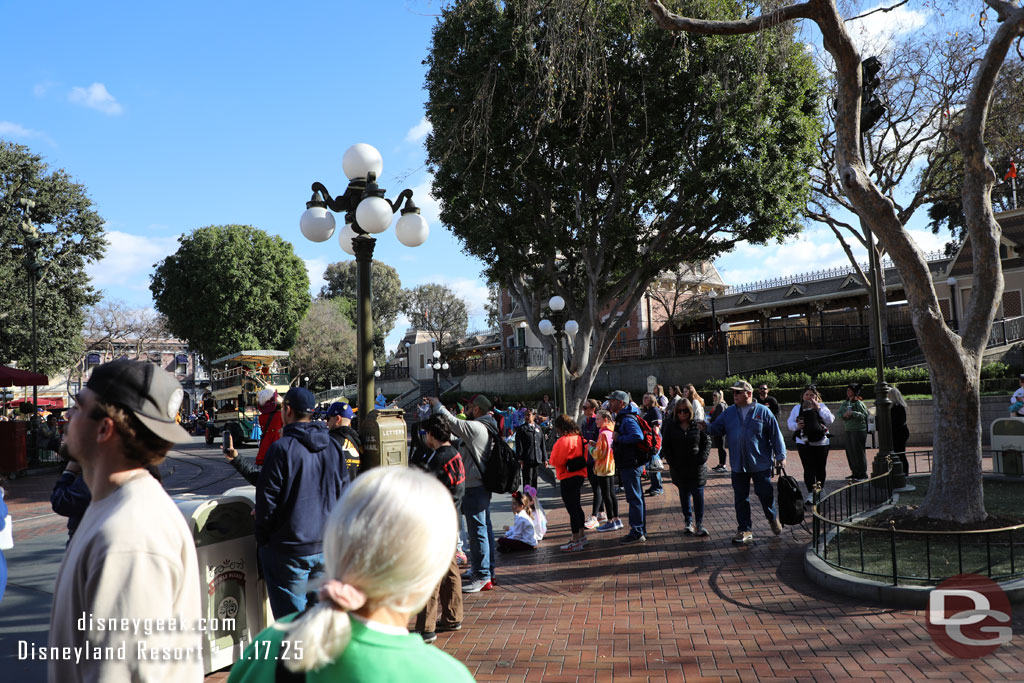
{"x":632,"y":445}
{"x":474,"y":435}
{"x":809,"y":421}
{"x":755,"y":444}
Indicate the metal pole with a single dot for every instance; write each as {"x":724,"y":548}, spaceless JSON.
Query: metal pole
{"x":883,"y":423}
{"x":35,"y":348}
{"x":725,"y":340}
{"x":561,"y":371}
{"x":363,"y":246}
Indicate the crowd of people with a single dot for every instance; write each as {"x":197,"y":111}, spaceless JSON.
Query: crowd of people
{"x":322,"y":524}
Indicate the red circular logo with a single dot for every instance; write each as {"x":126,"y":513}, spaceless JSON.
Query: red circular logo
{"x":969,"y":616}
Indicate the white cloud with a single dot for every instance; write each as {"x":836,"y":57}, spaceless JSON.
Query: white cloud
{"x":874,"y":34}
{"x":814,"y":249}
{"x":95,"y":97}
{"x":14,"y":131}
{"x":315,"y":268}
{"x":129,"y":262}
{"x":419,"y":131}
{"x":472,"y":290}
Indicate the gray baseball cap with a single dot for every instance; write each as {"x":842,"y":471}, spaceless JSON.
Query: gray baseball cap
{"x":151,"y":394}
{"x":618,"y":396}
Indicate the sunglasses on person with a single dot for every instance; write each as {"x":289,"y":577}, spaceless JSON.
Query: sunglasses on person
{"x":684,"y":411}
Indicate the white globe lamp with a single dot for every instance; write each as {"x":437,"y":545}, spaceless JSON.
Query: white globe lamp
{"x":412,"y":229}
{"x":317,"y":224}
{"x":345,"y":237}
{"x":374,"y":215}
{"x":360,"y":160}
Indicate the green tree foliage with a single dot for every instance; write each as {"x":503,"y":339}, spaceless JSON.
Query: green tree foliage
{"x":386,"y":302}
{"x":438,"y":310}
{"x":583,"y":152}
{"x":1004,"y":138}
{"x":325,"y":347}
{"x":71,"y":236}
{"x":232,"y":287}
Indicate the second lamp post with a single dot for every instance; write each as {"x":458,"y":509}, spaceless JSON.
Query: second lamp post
{"x":558,"y":326}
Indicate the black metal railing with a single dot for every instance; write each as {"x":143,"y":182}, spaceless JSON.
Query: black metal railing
{"x":395,"y":372}
{"x":511,"y":359}
{"x":1006,"y":331}
{"x":906,"y":556}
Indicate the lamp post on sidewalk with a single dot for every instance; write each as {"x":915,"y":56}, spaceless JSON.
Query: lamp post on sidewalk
{"x":367,"y":212}
{"x":952,"y":301}
{"x":557,"y":325}
{"x":712,"y":295}
{"x":725,"y":344}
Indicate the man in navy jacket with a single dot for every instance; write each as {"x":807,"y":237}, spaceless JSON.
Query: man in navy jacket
{"x":629,"y":463}
{"x":300,"y":483}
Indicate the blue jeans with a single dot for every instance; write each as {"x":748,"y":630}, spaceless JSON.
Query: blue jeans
{"x":741,"y":495}
{"x":635,"y":498}
{"x":654,"y":475}
{"x":476,"y":506}
{"x":287,"y":577}
{"x":692,"y":499}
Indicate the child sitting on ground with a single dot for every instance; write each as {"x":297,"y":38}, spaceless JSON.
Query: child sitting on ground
{"x":522,"y":534}
{"x":540,"y":520}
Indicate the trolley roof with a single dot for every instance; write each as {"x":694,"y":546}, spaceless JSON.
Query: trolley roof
{"x":258,"y":355}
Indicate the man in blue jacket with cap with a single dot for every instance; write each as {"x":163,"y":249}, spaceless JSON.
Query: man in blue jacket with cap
{"x":300,"y":483}
{"x":755,"y":445}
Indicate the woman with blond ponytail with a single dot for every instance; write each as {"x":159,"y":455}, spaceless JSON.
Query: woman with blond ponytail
{"x":383,"y":558}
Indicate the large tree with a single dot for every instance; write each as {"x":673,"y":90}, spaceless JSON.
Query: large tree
{"x":70,"y":237}
{"x":325,"y":347}
{"x":438,"y":310}
{"x":232,"y":287}
{"x":578,"y":150}
{"x":385,"y":302}
{"x":954,"y":360}
{"x":112,"y":324}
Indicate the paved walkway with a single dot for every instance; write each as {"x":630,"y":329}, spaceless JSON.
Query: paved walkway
{"x":675,"y":608}
{"x":683,"y":608}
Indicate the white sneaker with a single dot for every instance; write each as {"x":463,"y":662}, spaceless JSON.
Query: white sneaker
{"x":590,"y":523}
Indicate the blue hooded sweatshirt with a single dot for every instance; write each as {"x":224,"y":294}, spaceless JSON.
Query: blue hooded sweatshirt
{"x":300,"y":483}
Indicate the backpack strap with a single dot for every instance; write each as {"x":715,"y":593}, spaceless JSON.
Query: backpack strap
{"x":491,"y":434}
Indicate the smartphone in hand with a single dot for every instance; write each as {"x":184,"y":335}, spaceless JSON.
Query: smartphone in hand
{"x":226,"y":443}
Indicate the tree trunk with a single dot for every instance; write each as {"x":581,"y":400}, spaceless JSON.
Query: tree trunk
{"x":955,"y":490}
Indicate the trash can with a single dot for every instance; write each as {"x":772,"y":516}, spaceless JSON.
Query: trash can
{"x":234,"y":599}
{"x":384,"y":439}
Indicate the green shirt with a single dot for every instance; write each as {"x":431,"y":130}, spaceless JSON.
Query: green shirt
{"x":369,"y":656}
{"x":858,"y":422}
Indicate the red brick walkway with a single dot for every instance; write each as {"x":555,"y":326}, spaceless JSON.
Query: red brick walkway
{"x":683,"y":608}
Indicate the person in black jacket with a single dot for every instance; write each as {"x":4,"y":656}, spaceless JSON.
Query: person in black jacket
{"x":339,"y":425}
{"x":900,"y":433}
{"x":300,"y":483}
{"x":70,"y":496}
{"x":444,"y":462}
{"x":530,"y":448}
{"x":686,"y":447}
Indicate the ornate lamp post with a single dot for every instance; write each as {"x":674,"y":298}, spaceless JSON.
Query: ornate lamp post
{"x":367,"y":212}
{"x":558,"y":326}
{"x":35,"y":272}
{"x":438,"y":365}
{"x":725,"y":345}
{"x":952,"y":301}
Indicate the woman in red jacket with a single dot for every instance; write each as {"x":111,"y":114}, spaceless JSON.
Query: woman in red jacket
{"x":569,"y":456}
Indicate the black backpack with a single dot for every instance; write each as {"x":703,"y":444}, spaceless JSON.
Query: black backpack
{"x":502,"y":474}
{"x":791,"y":504}
{"x":814,"y":428}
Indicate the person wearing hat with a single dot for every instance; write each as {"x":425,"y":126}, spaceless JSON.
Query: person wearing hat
{"x":755,"y":446}
{"x":474,"y":434}
{"x":629,"y":462}
{"x":132,"y":556}
{"x":271,"y":425}
{"x":301,"y":480}
{"x":339,"y":425}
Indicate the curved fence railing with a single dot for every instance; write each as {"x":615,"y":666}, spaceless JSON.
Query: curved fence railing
{"x":842,"y":540}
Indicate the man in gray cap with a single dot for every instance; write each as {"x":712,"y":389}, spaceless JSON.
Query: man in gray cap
{"x":755,"y":446}
{"x":132,"y":556}
{"x":629,"y":462}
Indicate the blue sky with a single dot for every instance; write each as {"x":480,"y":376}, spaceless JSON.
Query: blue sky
{"x":177,"y":116}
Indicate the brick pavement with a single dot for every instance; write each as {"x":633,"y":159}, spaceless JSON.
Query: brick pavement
{"x":684,"y":608}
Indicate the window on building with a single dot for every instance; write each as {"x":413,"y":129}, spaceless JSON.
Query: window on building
{"x":421,"y":361}
{"x":520,"y":338}
{"x":1012,"y":304}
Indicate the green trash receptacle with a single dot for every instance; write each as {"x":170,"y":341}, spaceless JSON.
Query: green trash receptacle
{"x":384,"y":439}
{"x":234,"y":602}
